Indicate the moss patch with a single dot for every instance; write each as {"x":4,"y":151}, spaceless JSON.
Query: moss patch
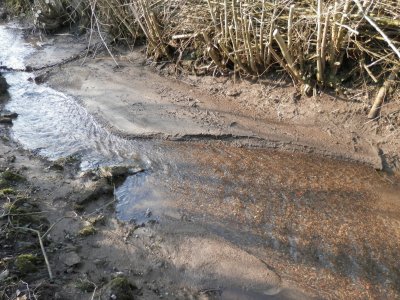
{"x":7,"y":191}
{"x":26,"y":263}
{"x":121,"y":288}
{"x":85,"y":285}
{"x":9,"y":178}
{"x":97,"y":220}
{"x":87,"y":230}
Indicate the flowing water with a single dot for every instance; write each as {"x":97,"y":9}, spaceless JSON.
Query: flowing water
{"x":315,"y":212}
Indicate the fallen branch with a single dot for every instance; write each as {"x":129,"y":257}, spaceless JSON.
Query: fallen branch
{"x":380,"y":97}
{"x":35,"y":69}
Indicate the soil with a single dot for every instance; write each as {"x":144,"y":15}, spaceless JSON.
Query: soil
{"x":89,"y":248}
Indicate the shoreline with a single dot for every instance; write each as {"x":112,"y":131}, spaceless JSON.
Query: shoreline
{"x":194,"y":252}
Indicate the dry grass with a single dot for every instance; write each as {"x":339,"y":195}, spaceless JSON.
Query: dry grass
{"x":316,"y":42}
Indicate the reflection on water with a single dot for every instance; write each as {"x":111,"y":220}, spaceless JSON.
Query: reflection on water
{"x":313,"y":212}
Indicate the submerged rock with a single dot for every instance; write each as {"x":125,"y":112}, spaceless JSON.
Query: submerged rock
{"x":118,"y":171}
{"x":96,"y":190}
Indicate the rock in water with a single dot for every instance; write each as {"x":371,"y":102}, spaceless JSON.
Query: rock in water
{"x":3,"y":85}
{"x":118,"y":171}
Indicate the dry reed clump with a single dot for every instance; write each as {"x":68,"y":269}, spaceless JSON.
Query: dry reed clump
{"x":17,"y":6}
{"x":318,"y":43}
{"x":53,"y":14}
{"x":49,"y":14}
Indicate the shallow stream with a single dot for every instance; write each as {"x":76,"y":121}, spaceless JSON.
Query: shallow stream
{"x":315,"y":212}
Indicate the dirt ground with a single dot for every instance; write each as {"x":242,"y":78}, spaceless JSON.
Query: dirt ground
{"x":88,"y":248}
{"x":92,"y":254}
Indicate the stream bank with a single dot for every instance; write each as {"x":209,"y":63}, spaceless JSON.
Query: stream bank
{"x":214,"y":214}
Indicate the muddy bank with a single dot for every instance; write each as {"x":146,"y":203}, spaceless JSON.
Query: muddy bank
{"x":205,"y":218}
{"x":91,"y":253}
{"x":134,"y":101}
{"x":301,"y":238}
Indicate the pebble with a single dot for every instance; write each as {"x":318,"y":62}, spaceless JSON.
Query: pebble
{"x":4,"y":275}
{"x":148,"y":213}
{"x":233,"y":93}
{"x":71,"y":258}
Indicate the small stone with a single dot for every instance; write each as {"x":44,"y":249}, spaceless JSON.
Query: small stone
{"x":233,"y":93}
{"x":4,"y":275}
{"x":117,"y":274}
{"x":9,"y":114}
{"x":71,"y":259}
{"x":118,"y":171}
{"x":99,"y":262}
{"x":148,"y":213}
{"x":11,"y":159}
